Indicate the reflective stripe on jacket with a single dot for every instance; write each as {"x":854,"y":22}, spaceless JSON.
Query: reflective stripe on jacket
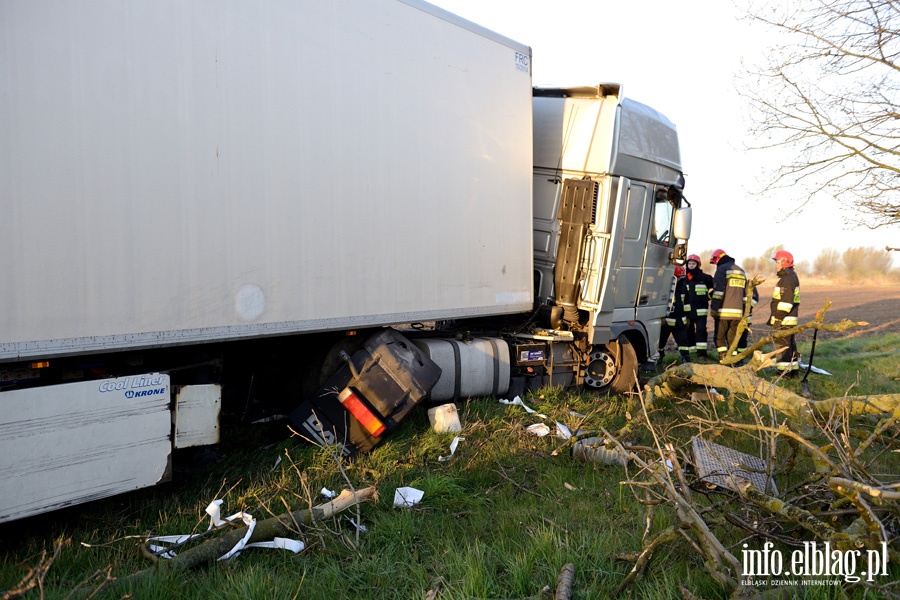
{"x":700,"y":286}
{"x":681,"y":306}
{"x":785,"y":304}
{"x":729,"y":289}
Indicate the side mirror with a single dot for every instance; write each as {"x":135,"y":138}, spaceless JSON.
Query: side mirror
{"x":681,"y":225}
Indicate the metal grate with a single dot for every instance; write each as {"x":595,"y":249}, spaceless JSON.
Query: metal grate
{"x":724,"y":467}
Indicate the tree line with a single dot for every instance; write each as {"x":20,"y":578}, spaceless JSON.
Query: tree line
{"x":856,"y":264}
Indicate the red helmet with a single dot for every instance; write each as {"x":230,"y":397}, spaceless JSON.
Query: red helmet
{"x":680,"y":271}
{"x":785,"y":257}
{"x":716,"y":255}
{"x":695,"y":258}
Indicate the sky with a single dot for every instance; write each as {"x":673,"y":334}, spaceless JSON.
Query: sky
{"x":682,"y":59}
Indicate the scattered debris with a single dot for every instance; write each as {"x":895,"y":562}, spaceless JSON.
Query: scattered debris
{"x":359,"y":526}
{"x":518,"y":402}
{"x":407,"y":496}
{"x":724,"y":467}
{"x":594,"y":449}
{"x":563,"y":432}
{"x":217,"y":547}
{"x":453,"y":446}
{"x":538,"y":429}
{"x":216,"y":522}
{"x":444,"y":418}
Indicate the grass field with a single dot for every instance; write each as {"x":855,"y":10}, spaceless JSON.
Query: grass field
{"x":498,"y":520}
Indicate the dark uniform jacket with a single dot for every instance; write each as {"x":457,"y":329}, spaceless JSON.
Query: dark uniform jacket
{"x":700,"y":287}
{"x":681,"y":305}
{"x":786,"y":299}
{"x":729,"y":289}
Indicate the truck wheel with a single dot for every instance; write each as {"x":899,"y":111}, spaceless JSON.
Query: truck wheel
{"x":326,"y":361}
{"x":611,"y":369}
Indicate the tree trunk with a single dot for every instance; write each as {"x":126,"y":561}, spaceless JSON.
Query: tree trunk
{"x":743,"y":381}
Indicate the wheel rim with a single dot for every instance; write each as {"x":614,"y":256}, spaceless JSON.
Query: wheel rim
{"x":601,"y":369}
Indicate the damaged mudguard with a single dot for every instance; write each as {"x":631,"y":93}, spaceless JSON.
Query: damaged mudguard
{"x":369,"y":395}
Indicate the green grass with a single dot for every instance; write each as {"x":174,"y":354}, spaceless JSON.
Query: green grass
{"x":498,"y":521}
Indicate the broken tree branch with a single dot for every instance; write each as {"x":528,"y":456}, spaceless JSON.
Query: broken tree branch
{"x":643,"y":558}
{"x":35,"y":576}
{"x":564,"y":582}
{"x":210,"y":550}
{"x":741,"y":380}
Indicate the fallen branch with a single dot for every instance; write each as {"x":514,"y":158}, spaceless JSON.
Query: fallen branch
{"x":642,"y":559}
{"x":280,"y":526}
{"x":721,"y":565}
{"x":564,"y":582}
{"x":35,"y":576}
{"x":743,"y":381}
{"x":851,"y":538}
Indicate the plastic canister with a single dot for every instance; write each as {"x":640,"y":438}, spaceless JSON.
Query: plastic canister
{"x":444,"y":418}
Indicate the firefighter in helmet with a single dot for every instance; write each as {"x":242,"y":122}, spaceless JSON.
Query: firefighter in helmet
{"x":727,"y":299}
{"x":676,"y":322}
{"x":699,"y":286}
{"x":785,"y":308}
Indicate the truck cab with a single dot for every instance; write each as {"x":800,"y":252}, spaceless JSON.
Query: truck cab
{"x":610,"y":224}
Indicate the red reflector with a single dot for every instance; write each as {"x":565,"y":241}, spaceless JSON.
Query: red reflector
{"x":362,"y":414}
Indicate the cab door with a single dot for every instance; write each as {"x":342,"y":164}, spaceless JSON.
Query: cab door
{"x":657,"y":270}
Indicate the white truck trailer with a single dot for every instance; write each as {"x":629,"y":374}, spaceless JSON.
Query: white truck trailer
{"x":201,"y":198}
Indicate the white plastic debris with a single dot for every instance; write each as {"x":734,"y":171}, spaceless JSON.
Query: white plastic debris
{"x":214,"y":511}
{"x":328,"y":493}
{"x":407,"y":496}
{"x":250,"y":522}
{"x":538,"y":429}
{"x":562,"y":432}
{"x":814,"y":369}
{"x":518,"y":402}
{"x":453,"y":446}
{"x":216,"y":521}
{"x":359,"y":527}
{"x":278,"y":543}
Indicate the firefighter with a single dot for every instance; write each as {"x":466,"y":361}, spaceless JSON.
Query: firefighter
{"x":676,"y":322}
{"x":727,"y":299}
{"x":699,"y":286}
{"x":785,"y":308}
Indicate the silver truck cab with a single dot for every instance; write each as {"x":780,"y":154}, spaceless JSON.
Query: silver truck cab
{"x":610,"y":223}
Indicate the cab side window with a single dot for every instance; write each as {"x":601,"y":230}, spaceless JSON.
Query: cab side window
{"x":662,"y":221}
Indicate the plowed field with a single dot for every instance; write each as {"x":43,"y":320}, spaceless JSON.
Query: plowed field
{"x":877,"y":305}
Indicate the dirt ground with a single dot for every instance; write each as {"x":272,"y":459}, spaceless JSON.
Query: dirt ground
{"x":877,"y":305}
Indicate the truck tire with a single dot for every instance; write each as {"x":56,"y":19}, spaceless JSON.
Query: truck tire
{"x":612,"y":369}
{"x":326,"y":360}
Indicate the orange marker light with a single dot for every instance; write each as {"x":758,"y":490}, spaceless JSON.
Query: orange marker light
{"x":362,"y":414}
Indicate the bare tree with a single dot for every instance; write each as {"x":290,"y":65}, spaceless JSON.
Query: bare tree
{"x":829,"y":97}
{"x":828,"y":263}
{"x":762,"y":264}
{"x":862,"y":262}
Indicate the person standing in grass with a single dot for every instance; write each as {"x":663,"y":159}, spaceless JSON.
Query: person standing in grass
{"x":676,"y":322}
{"x":727,"y":299}
{"x":785,"y":308}
{"x":699,"y":286}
